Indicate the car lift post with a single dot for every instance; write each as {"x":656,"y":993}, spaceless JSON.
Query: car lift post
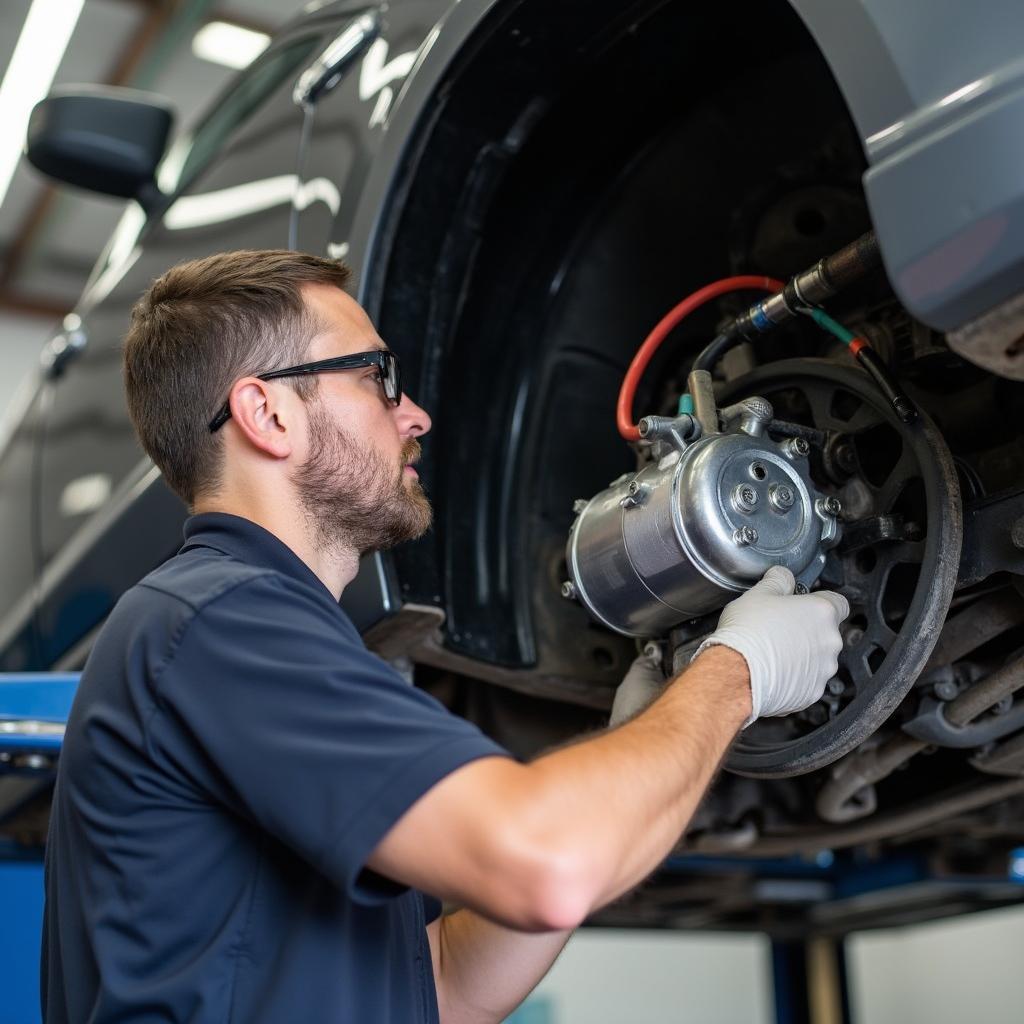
{"x":810,"y":981}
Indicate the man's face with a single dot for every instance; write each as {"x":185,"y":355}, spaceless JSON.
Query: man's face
{"x":356,"y":483}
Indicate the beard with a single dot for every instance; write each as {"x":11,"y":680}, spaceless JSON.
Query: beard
{"x":355,"y":497}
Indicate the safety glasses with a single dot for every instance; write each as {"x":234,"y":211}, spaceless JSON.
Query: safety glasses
{"x":384,"y":360}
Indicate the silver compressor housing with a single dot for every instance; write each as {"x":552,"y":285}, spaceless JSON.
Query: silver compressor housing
{"x":719,"y":504}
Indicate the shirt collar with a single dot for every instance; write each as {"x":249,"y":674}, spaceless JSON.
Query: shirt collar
{"x":248,"y":542}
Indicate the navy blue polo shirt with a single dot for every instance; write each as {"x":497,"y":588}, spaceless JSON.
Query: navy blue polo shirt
{"x":233,"y":756}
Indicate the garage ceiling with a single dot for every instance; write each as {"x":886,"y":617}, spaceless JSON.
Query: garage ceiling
{"x":49,"y":238}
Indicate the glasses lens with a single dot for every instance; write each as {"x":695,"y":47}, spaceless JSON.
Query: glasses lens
{"x":392,"y":378}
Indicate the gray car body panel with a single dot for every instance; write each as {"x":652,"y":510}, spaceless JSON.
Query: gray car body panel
{"x":936,"y":89}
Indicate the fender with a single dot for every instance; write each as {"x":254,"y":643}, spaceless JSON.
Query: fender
{"x":950,"y":225}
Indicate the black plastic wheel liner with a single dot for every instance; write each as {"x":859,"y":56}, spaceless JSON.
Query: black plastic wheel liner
{"x":581,"y":176}
{"x":879,"y":688}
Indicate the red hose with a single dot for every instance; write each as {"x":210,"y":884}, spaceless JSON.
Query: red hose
{"x":624,"y":409}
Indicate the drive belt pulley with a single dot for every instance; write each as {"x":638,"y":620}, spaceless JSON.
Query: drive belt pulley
{"x":897,"y":563}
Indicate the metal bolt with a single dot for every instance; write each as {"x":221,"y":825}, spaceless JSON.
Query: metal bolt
{"x":835,"y":687}
{"x":579,"y":505}
{"x":634,"y":496}
{"x":781,"y":497}
{"x":744,"y":498}
{"x":798,"y":446}
{"x":945,"y":689}
{"x":744,"y":535}
{"x":569,"y":590}
{"x":1003,"y":706}
{"x":644,"y":427}
{"x":801,"y":588}
{"x":652,"y":650}
{"x":828,"y":507}
{"x":846,"y":457}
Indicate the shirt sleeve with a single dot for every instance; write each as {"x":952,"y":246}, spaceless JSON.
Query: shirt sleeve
{"x":273,"y":706}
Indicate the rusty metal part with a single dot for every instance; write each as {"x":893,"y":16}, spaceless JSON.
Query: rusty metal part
{"x":995,"y":340}
{"x":1004,"y":759}
{"x":415,"y":632}
{"x":901,"y":821}
{"x":849,"y":794}
{"x":975,"y":625}
{"x":985,"y":695}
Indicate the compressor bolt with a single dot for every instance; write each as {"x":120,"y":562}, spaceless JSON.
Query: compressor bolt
{"x":828,"y":507}
{"x":744,"y":535}
{"x":781,"y":497}
{"x":798,"y":446}
{"x":569,"y":590}
{"x":635,"y":496}
{"x":744,"y":498}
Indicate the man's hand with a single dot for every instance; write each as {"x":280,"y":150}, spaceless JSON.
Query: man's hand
{"x":791,"y":642}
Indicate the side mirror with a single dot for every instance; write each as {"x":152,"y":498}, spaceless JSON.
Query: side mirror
{"x":100,"y":138}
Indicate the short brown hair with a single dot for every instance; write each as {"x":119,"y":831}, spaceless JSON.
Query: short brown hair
{"x":199,"y":328}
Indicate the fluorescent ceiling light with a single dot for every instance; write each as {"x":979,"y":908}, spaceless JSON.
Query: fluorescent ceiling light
{"x":220,"y":42}
{"x":41,"y":45}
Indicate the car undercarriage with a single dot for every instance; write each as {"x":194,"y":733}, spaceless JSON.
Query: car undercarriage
{"x":538,"y":239}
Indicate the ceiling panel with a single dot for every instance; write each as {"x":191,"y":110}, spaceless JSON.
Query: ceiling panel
{"x":12,"y":17}
{"x":77,"y":225}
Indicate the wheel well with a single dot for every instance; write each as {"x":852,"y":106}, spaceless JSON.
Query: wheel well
{"x":582,"y":168}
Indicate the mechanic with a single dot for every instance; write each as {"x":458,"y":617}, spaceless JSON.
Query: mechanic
{"x":255,"y":818}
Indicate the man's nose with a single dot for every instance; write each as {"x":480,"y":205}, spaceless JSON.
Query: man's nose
{"x":412,"y":419}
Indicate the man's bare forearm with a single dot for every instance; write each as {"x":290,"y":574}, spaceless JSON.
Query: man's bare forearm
{"x":482,"y":970}
{"x":623,"y":799}
{"x":620,"y":801}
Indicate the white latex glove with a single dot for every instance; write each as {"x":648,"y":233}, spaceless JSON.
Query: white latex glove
{"x":791,"y":642}
{"x":641,"y":686}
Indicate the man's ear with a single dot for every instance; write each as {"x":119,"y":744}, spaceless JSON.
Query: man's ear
{"x":263,"y":415}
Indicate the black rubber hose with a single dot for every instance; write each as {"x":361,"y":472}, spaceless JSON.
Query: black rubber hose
{"x":894,"y":395}
{"x":852,"y":262}
{"x":712,"y":353}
